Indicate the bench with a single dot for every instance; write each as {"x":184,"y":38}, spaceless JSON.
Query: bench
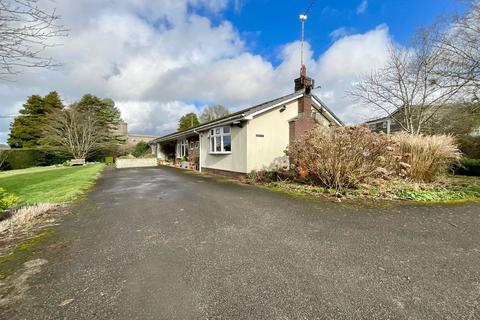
{"x":77,"y":162}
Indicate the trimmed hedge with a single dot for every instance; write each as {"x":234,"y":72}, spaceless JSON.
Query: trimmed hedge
{"x":27,"y":158}
{"x":468,"y":167}
{"x":470,"y":146}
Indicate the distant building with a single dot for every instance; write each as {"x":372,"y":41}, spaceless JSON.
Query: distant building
{"x":133,"y":138}
{"x":389,"y":124}
{"x":121,"y":134}
{"x":384,"y":124}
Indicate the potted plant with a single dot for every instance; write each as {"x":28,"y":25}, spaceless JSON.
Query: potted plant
{"x":184,"y":162}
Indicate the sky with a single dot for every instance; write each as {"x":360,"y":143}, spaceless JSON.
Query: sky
{"x":161,"y":59}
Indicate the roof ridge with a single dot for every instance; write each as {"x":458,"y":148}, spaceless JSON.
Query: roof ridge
{"x":245,"y":110}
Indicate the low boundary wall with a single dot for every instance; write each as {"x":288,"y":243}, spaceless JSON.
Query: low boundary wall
{"x":136,"y":163}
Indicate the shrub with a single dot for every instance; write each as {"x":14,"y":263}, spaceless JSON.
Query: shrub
{"x":343,"y":157}
{"x":470,"y":146}
{"x":24,"y":215}
{"x":263,"y":176}
{"x":140,"y":149}
{"x":6,"y":200}
{"x":426,"y":156}
{"x":468,"y":167}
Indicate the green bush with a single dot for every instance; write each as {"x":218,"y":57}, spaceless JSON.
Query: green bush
{"x":439,"y":194}
{"x":6,"y":200}
{"x":108,"y":160}
{"x":140,"y":149}
{"x":468,"y":167}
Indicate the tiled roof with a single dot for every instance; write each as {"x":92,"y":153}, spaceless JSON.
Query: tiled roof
{"x":239,"y":114}
{"x":242,"y":114}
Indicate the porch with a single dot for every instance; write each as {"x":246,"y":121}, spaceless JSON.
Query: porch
{"x":179,"y":151}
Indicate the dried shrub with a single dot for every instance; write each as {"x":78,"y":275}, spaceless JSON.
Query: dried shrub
{"x":343,"y":157}
{"x":265,"y":176}
{"x":424,"y":157}
{"x":24,"y":215}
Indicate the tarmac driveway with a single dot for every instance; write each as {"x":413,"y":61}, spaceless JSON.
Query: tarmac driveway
{"x":160,"y":243}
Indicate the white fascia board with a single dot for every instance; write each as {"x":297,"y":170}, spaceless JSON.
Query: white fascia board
{"x":250,"y":117}
{"x":176,"y":136}
{"x":219,"y":123}
{"x":326,"y":111}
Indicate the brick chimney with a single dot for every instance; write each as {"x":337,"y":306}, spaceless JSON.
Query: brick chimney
{"x":304,"y":120}
{"x":304,"y":82}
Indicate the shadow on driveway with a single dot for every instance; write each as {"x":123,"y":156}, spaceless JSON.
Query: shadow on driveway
{"x":159,"y":243}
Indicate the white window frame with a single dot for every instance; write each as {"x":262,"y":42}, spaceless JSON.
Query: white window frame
{"x":214,"y":135}
{"x":182,"y":146}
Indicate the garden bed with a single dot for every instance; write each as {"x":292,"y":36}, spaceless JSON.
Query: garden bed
{"x":448,"y":188}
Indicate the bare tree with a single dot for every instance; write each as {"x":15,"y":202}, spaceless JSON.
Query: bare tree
{"x":460,"y":47}
{"x":413,"y":86}
{"x":80,"y":133}
{"x":25,"y":32}
{"x":213,"y":112}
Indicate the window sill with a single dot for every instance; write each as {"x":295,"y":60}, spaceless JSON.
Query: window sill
{"x":220,"y":153}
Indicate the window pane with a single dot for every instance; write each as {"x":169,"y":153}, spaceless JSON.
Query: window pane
{"x":226,"y":129}
{"x":212,"y":144}
{"x":218,"y":144}
{"x":211,"y":132}
{"x":217,"y":131}
{"x":227,"y":143}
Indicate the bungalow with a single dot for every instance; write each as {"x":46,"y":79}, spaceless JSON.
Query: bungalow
{"x":254,"y":138}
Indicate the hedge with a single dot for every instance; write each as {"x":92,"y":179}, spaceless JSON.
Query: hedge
{"x":26,"y":158}
{"x":468,"y":167}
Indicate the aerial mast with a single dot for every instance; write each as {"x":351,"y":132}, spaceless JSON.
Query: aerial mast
{"x":303,"y":18}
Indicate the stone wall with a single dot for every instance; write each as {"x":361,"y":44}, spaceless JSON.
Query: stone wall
{"x":136,"y":163}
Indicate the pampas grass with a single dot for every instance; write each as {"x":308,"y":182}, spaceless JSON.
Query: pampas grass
{"x":347,"y":157}
{"x":427,"y":156}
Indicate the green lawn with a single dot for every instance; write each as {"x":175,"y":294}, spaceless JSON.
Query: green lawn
{"x":49,"y":184}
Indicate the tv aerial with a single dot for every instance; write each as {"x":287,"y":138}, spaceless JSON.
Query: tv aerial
{"x":303,"y":18}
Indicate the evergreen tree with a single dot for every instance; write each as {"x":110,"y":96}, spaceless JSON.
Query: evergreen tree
{"x":26,"y":129}
{"x":105,"y":109}
{"x":52,"y":102}
{"x":188,"y":121}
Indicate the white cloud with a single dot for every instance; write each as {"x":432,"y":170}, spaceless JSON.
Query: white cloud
{"x":362,"y":7}
{"x":160,"y":59}
{"x":151,"y":116}
{"x":339,"y":33}
{"x":344,"y":62}
{"x":238,"y":5}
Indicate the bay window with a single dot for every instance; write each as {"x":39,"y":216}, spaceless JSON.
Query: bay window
{"x":220,"y":140}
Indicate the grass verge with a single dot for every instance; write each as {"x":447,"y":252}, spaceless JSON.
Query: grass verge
{"x":49,"y":185}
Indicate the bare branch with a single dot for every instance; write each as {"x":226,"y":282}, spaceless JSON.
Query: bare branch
{"x":26,"y":31}
{"x":417,"y":81}
{"x":79,"y":132}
